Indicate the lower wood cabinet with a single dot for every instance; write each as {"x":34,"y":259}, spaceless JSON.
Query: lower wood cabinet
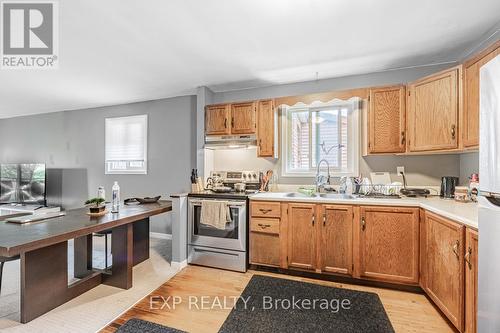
{"x":389,"y":244}
{"x":301,"y":235}
{"x":444,"y":266}
{"x":471,"y":250}
{"x":334,"y":233}
{"x":265,"y":242}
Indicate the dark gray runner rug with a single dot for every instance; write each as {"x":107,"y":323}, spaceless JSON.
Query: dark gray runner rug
{"x":272,"y":306}
{"x":135,"y":325}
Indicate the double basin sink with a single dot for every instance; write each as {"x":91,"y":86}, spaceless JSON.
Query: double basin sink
{"x":340,"y":196}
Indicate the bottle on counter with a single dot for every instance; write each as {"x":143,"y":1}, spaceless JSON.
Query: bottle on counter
{"x":101,"y":192}
{"x":115,"y":191}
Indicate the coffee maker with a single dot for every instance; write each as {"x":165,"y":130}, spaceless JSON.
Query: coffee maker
{"x":448,"y":185}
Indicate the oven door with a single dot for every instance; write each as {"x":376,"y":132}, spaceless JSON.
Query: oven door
{"x":233,"y":237}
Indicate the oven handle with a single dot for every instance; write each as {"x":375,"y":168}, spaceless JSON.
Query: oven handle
{"x":231,"y":204}
{"x":217,"y":252}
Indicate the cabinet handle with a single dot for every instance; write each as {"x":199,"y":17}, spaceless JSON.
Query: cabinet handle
{"x":324,"y":220}
{"x":264,"y":226}
{"x":313,"y":220}
{"x":265,"y":211}
{"x":453,"y":131}
{"x":363,"y":224}
{"x":232,"y":122}
{"x":455,"y":248}
{"x":225,"y":122}
{"x":467,"y":257}
{"x":403,"y":137}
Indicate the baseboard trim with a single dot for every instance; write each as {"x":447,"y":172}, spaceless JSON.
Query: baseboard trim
{"x":179,"y":265}
{"x":160,"y":235}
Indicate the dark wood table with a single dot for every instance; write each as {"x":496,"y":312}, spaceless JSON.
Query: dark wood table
{"x":43,"y":248}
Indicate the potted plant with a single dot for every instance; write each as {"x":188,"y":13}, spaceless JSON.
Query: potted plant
{"x":97,"y":205}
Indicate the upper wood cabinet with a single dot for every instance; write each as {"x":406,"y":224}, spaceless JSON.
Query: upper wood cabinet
{"x":301,"y":236}
{"x":444,"y":266}
{"x":470,"y":119}
{"x":266,"y":129}
{"x":389,"y":244}
{"x":386,"y":120}
{"x":335,"y":238}
{"x":217,"y":119}
{"x":471,"y":260}
{"x":243,"y":118}
{"x":433,"y":106}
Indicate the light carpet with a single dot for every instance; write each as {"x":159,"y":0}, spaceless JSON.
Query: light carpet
{"x":96,"y":308}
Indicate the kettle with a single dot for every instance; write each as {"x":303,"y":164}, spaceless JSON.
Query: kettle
{"x":448,"y":185}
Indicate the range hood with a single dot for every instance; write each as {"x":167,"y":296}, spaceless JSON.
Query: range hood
{"x":230,"y":141}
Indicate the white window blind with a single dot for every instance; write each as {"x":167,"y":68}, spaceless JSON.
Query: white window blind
{"x":126,"y":145}
{"x":324,"y":131}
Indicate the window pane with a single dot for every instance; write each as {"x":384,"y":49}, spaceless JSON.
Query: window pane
{"x":326,"y":137}
{"x":299,"y":145}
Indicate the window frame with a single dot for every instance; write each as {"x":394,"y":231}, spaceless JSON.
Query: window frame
{"x":353,"y":137}
{"x":127,"y":171}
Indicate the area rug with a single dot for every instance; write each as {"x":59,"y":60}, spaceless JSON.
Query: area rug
{"x":278,"y":305}
{"x":135,"y":325}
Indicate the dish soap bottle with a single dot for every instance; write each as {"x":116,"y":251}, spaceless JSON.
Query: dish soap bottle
{"x":115,"y":190}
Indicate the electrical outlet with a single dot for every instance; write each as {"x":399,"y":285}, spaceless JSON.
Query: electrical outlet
{"x":400,"y":170}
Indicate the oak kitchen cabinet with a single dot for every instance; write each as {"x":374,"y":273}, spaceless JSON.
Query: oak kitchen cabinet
{"x":334,"y":234}
{"x":470,"y":120}
{"x":243,"y":118}
{"x":302,"y":235}
{"x":217,"y":119}
{"x":443,"y":248}
{"x":387,"y":120}
{"x":471,"y":259}
{"x":433,"y":112}
{"x":265,"y":234}
{"x":389,"y":244}
{"x":266,"y":136}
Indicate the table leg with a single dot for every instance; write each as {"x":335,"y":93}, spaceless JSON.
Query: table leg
{"x":141,"y":241}
{"x":44,"y":280}
{"x":83,"y":256}
{"x":122,"y":249}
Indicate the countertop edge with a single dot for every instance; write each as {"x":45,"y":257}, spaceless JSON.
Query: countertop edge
{"x":378,"y":202}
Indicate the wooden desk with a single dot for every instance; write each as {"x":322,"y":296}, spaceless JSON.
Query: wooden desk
{"x":43,"y":247}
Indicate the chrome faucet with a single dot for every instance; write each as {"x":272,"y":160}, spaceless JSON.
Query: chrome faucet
{"x":320,"y":180}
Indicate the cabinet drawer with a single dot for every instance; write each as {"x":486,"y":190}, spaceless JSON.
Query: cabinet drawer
{"x":268,"y":226}
{"x":264,"y":249}
{"x":266,"y":209}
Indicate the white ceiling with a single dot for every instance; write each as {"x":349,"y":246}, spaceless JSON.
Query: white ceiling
{"x":120,"y":51}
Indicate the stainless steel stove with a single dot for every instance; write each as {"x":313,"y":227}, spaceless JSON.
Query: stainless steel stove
{"x":216,"y":247}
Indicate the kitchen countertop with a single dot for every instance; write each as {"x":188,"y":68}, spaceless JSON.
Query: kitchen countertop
{"x":464,"y":213}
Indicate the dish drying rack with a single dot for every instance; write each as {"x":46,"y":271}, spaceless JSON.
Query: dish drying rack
{"x":389,"y":191}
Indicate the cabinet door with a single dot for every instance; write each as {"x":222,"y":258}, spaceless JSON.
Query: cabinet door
{"x":217,"y":119}
{"x":265,"y":242}
{"x":335,"y":238}
{"x":243,"y":118}
{"x":389,"y":244}
{"x":433,"y":112}
{"x":301,"y":236}
{"x":265,"y":128}
{"x":387,"y":124}
{"x":445,"y":266}
{"x":471,"y":250}
{"x":470,"y":127}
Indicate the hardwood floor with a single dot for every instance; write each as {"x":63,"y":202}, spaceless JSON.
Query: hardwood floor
{"x":408,"y":312}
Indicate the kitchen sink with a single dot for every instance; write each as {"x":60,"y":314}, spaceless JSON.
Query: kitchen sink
{"x":320,"y":195}
{"x":336,"y":196}
{"x":297,"y":195}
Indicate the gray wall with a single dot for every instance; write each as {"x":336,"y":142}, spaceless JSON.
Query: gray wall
{"x":420,"y":170}
{"x":71,"y":143}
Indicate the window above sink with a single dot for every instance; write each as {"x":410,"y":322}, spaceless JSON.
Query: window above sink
{"x":319,"y":131}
